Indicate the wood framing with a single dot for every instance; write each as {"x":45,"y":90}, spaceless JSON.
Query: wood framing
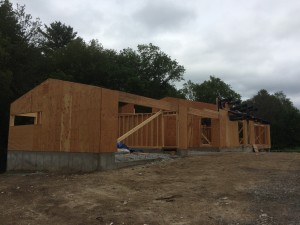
{"x":182,"y":138}
{"x":127,"y":134}
{"x":72,"y":117}
{"x":144,"y":101}
{"x":206,"y":113}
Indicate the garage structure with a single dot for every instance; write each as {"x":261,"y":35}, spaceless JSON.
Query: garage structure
{"x":65,"y":125}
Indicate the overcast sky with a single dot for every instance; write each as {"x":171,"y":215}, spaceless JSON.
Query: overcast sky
{"x":250,"y":45}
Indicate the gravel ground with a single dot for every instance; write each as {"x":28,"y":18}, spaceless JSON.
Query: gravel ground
{"x":128,"y":157}
{"x":211,"y":189}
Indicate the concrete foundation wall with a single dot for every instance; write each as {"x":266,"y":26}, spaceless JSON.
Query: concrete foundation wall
{"x":59,"y":161}
{"x":237,"y":149}
{"x":196,"y":151}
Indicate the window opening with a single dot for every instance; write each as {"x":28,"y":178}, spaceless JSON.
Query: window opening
{"x":25,"y":119}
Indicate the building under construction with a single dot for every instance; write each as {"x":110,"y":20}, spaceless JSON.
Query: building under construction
{"x":65,"y":125}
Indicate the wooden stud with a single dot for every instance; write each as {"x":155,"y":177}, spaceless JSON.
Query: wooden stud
{"x":183,"y":128}
{"x":162,"y":131}
{"x":127,"y":134}
{"x":12,"y":120}
{"x":268,"y":136}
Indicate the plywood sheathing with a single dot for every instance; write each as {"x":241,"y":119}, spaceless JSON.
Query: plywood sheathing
{"x":232,"y":135}
{"x":75,"y":118}
{"x":127,"y":108}
{"x":109,"y":120}
{"x":223,"y":115}
{"x":84,"y":125}
{"x":28,"y":137}
{"x":170,"y":130}
{"x":182,"y":137}
{"x":215,"y":129}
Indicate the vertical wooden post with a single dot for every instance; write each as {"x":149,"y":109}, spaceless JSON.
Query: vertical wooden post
{"x":162,"y":131}
{"x":251,"y":133}
{"x":151,"y":133}
{"x":183,"y":128}
{"x":215,"y":132}
{"x":223,"y":128}
{"x":190,"y":131}
{"x":245,"y":132}
{"x":157,"y":132}
{"x":268,"y":135}
{"x":12,"y":121}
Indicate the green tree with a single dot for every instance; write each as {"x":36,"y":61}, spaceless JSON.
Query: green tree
{"x":209,"y":90}
{"x":152,"y":71}
{"x":147,"y":71}
{"x":10,"y":33}
{"x":158,"y":70}
{"x":20,"y":60}
{"x":83,"y":62}
{"x":282,"y":115}
{"x":57,"y":36}
{"x":29,"y":28}
{"x":189,"y":90}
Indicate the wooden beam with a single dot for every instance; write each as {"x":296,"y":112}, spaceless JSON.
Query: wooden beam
{"x":12,"y":120}
{"x":139,"y":126}
{"x":251,"y":132}
{"x":182,"y":137}
{"x":208,"y":141}
{"x":148,"y":102}
{"x":27,"y":114}
{"x":268,"y":136}
{"x":207,"y":113}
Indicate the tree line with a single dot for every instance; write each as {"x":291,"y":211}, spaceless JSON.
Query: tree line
{"x":31,"y":52}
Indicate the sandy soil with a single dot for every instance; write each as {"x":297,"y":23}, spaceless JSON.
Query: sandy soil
{"x":216,"y":188}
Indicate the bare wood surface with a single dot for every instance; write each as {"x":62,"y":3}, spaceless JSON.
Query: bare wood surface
{"x":139,"y":126}
{"x":148,"y":102}
{"x":205,"y":113}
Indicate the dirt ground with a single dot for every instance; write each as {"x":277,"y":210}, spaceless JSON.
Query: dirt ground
{"x":214,"y":188}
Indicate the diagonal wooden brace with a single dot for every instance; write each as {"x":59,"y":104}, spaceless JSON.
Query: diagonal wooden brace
{"x":127,"y":134}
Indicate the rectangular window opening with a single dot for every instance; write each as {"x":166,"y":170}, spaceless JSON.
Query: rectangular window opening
{"x":25,"y":119}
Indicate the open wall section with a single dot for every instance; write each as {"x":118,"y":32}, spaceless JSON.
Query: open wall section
{"x":180,"y":125}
